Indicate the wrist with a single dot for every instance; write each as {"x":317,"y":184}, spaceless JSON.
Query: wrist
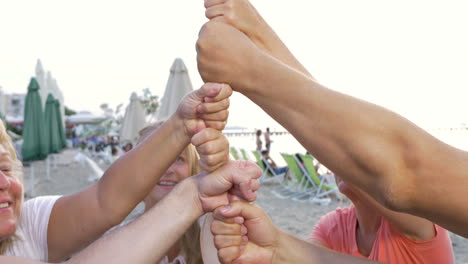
{"x":179,"y":131}
{"x":192,"y":193}
{"x":256,"y":75}
{"x":281,"y":254}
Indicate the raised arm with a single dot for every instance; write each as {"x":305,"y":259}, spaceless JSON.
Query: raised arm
{"x":393,"y":160}
{"x":78,"y":219}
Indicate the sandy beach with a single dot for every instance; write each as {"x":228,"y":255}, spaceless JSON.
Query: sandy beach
{"x":298,"y":218}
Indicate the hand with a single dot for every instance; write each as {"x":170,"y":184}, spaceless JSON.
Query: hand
{"x":243,"y":16}
{"x":236,"y":178}
{"x":213,"y":148}
{"x":251,"y":240}
{"x":226,"y":55}
{"x":205,"y":107}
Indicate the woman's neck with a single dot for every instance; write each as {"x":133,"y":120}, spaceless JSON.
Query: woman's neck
{"x":368,"y":224}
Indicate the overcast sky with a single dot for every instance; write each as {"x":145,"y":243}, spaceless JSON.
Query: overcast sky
{"x":409,"y":56}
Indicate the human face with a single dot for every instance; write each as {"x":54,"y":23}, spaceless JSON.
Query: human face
{"x":178,"y":171}
{"x":11,"y":196}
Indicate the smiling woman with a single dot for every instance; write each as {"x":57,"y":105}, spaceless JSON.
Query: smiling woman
{"x":187,"y":249}
{"x":11,"y":190}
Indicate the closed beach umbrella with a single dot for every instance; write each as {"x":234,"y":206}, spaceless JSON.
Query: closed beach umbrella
{"x":177,"y":87}
{"x":35,"y":145}
{"x":61,"y":131}
{"x":52,"y":125}
{"x":134,"y":120}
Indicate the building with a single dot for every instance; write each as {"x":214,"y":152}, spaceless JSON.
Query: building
{"x":12,"y":106}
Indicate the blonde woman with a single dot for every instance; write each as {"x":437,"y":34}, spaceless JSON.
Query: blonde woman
{"x":187,"y":249}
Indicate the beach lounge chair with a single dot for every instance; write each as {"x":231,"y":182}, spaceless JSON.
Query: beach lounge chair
{"x":244,"y":154}
{"x":324,"y":185}
{"x":268,"y":173}
{"x":234,"y":153}
{"x":296,"y":184}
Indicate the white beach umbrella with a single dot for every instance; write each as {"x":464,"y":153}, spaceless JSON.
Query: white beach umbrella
{"x":177,"y":87}
{"x":57,"y":93}
{"x":42,"y":81}
{"x":134,"y":120}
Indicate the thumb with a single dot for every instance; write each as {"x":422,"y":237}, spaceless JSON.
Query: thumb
{"x":207,"y":90}
{"x":245,"y":210}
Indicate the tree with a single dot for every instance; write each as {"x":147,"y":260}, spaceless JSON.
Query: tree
{"x":149,"y":101}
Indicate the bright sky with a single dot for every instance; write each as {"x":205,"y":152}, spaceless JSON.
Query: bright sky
{"x":409,"y":56}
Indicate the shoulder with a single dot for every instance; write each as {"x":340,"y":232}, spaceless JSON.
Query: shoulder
{"x":339,"y":216}
{"x":334,"y":224}
{"x":37,"y":208}
{"x":40,"y":203}
{"x":32,"y":228}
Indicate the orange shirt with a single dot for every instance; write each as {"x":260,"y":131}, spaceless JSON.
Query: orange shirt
{"x":337,"y":231}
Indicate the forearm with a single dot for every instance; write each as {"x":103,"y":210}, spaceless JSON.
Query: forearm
{"x":131,"y":177}
{"x":293,"y":250}
{"x":146,"y":239}
{"x":353,"y":138}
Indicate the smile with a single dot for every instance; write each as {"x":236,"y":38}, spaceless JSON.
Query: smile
{"x":167,"y":183}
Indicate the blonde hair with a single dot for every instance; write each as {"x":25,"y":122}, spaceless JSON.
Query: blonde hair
{"x":17,"y":171}
{"x":190,"y":240}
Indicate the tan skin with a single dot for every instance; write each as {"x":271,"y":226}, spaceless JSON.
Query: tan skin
{"x":374,"y":136}
{"x":110,"y":200}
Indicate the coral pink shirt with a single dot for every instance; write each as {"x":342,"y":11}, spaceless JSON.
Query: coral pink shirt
{"x":337,"y":231}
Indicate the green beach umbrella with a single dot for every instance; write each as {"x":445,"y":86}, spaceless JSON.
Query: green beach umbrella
{"x":52,"y":125}
{"x":63,"y":141}
{"x":35,"y":145}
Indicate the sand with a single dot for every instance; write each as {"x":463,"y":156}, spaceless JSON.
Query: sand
{"x":295,"y":217}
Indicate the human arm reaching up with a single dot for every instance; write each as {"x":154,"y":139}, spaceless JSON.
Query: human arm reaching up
{"x":397,"y":163}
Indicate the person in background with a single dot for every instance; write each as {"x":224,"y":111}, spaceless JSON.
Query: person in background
{"x":268,"y":139}
{"x":127,"y":147}
{"x":259,"y":140}
{"x":272,"y":163}
{"x":114,"y":153}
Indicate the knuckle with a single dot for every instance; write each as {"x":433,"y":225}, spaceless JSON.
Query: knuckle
{"x":211,"y":160}
{"x":207,"y":149}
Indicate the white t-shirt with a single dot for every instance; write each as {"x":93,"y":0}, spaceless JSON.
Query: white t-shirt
{"x":32,"y":229}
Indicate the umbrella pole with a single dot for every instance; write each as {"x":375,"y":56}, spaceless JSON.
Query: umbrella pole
{"x":55,"y":160}
{"x":33,"y":182}
{"x":48,"y":168}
